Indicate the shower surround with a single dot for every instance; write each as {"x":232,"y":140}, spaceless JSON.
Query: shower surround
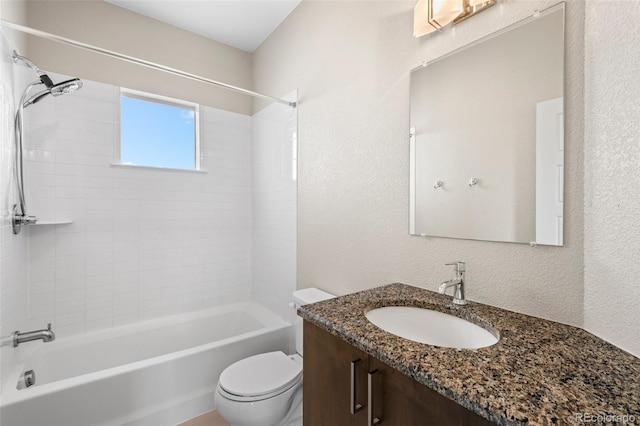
{"x":143,"y":242}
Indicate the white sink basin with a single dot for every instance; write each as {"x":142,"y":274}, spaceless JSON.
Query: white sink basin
{"x":431,"y":327}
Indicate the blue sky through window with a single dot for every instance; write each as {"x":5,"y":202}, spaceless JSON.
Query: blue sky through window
{"x":156,"y":134}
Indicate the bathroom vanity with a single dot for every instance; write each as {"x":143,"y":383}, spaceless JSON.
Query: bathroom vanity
{"x":346,"y":386}
{"x":539,"y":372}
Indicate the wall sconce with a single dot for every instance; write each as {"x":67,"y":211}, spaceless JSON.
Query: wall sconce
{"x":433,"y":15}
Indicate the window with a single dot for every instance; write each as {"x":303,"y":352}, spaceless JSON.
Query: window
{"x":156,"y":131}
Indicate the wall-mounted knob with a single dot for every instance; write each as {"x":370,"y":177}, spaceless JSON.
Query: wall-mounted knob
{"x":472,"y":182}
{"x":438,"y":184}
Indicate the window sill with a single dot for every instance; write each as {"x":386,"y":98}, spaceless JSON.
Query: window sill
{"x":155,"y":168}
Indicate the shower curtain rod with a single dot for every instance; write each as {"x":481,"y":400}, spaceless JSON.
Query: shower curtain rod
{"x":142,"y":62}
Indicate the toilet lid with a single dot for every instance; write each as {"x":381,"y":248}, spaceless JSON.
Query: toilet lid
{"x":260,"y":375}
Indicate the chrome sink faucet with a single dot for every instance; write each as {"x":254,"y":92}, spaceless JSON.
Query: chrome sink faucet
{"x":457,"y":282}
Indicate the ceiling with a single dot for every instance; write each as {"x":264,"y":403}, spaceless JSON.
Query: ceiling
{"x":243,"y":24}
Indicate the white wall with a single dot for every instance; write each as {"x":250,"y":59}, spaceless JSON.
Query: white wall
{"x":612,"y":173}
{"x":351,"y":62}
{"x":143,"y":243}
{"x":274,"y":207}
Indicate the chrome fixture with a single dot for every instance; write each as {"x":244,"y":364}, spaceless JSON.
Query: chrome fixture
{"x":472,"y":182}
{"x":20,"y":216}
{"x":27,"y":379}
{"x":19,"y":219}
{"x":438,"y":184}
{"x":433,"y":15}
{"x":457,"y":282}
{"x":46,"y":335}
{"x":63,"y":88}
{"x":68,"y":86}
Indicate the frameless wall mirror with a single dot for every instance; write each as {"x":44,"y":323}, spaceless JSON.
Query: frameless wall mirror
{"x":487,"y":137}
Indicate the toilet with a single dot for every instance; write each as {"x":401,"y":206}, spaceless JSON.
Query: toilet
{"x":266,"y":389}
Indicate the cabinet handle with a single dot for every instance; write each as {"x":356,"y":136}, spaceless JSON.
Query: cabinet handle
{"x":353,"y":404}
{"x":372,"y":421}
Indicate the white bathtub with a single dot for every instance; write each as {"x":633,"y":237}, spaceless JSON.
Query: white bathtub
{"x":156,"y":373}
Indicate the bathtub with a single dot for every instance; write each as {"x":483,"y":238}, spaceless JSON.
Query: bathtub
{"x":158,"y":372}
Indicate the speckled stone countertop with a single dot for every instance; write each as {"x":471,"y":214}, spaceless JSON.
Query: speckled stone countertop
{"x":539,"y":373}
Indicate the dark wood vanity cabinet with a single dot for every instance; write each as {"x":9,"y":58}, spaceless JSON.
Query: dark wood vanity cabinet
{"x":344,"y":386}
{"x":327,"y":386}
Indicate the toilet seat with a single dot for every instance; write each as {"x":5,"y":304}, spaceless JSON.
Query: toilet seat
{"x":260,"y":377}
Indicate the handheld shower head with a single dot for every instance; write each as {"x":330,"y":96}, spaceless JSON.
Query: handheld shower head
{"x":20,"y":216}
{"x":68,"y":86}
{"x":36,"y":98}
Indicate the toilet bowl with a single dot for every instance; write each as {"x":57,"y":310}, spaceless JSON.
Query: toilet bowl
{"x":266,"y":389}
{"x":260,"y":390}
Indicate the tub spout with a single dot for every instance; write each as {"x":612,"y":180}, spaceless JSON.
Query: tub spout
{"x":46,"y":335}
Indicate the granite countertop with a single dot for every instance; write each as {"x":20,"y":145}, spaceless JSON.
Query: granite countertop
{"x":539,"y":373}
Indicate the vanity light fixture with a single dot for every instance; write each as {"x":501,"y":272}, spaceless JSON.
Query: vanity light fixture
{"x":433,"y":15}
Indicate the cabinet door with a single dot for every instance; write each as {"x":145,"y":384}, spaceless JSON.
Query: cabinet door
{"x":327,"y":385}
{"x":399,"y":400}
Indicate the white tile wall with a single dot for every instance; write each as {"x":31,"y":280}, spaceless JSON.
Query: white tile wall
{"x":13,"y":248}
{"x":143,"y":243}
{"x":274,"y":207}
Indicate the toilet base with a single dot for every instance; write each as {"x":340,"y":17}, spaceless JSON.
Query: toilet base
{"x":286,"y":412}
{"x":294,"y":418}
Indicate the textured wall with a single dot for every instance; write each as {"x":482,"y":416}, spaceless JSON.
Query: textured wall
{"x":351,"y":62}
{"x":612,"y":172}
{"x":111,"y":27}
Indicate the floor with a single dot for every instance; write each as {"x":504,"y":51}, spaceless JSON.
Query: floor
{"x":212,"y":418}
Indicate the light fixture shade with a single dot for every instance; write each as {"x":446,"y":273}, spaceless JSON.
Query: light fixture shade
{"x":443,"y":12}
{"x":432,"y":15}
{"x":421,"y":25}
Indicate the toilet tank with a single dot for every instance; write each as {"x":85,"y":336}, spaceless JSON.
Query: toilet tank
{"x":304,"y":297}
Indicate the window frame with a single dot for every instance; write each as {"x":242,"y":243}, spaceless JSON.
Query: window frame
{"x":152,"y":97}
